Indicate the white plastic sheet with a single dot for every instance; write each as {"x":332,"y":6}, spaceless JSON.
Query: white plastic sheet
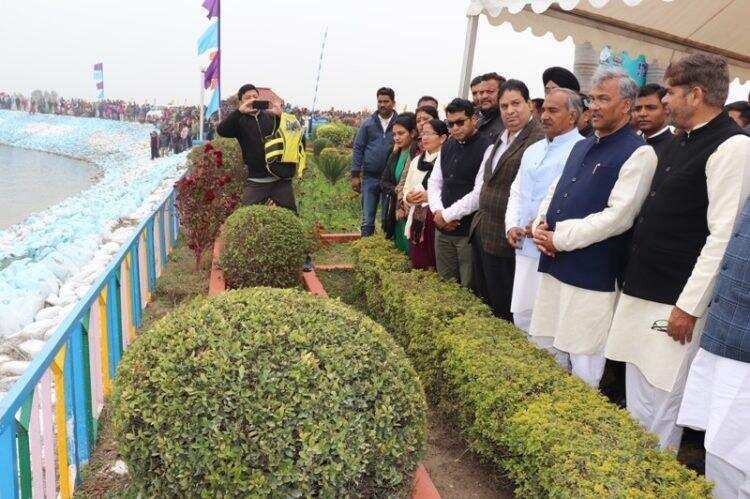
{"x":39,"y":257}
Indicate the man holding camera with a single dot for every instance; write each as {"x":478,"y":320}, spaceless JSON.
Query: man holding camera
{"x":251,"y":123}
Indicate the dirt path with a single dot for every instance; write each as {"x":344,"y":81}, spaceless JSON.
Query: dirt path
{"x":455,"y":470}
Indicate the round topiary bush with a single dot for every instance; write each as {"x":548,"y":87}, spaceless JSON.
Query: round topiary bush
{"x":319,"y":145}
{"x":268,"y":393}
{"x":263,"y":246}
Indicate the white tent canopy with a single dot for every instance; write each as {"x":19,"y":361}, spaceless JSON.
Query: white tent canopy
{"x":662,"y":30}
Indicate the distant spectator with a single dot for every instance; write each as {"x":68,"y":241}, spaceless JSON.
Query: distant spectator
{"x":154,"y":145}
{"x":372,"y":146}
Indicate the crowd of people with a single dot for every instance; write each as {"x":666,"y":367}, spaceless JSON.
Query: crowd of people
{"x":613,"y":225}
{"x":609,"y":227}
{"x":175,"y":126}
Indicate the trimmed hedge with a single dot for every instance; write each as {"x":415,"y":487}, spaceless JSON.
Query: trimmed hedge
{"x":263,"y":246}
{"x":550,"y":432}
{"x":268,"y":393}
{"x":319,"y":145}
{"x":339,"y":134}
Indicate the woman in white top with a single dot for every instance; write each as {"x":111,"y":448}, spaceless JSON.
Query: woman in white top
{"x":420,"y":227}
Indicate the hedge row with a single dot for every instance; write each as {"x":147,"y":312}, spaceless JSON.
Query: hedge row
{"x":551,"y":433}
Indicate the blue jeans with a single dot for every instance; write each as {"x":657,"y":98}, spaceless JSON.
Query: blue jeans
{"x":369,"y":197}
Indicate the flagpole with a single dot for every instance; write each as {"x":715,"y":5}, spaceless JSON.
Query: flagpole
{"x":218,"y":27}
{"x":200,"y":107}
{"x":317,"y":80}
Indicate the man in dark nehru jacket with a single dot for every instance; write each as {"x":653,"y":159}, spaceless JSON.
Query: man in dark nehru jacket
{"x":651,"y":116}
{"x":679,"y":239}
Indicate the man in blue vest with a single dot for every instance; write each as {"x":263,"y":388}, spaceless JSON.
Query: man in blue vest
{"x":372,"y":145}
{"x":582,"y":230}
{"x":679,"y":239}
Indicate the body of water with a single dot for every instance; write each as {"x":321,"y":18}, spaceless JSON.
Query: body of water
{"x":31,"y":181}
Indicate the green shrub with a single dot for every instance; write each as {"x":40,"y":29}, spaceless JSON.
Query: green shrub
{"x":415,"y":311}
{"x":339,"y":134}
{"x":319,"y":145}
{"x":263,"y":246}
{"x":577,"y":444}
{"x":333,"y":164}
{"x":373,"y":257}
{"x":552,"y":434}
{"x":268,"y":393}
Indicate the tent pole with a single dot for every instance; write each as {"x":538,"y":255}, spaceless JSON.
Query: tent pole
{"x":468,"y":59}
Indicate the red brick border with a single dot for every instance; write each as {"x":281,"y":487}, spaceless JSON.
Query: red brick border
{"x":335,"y":266}
{"x":422,"y":488}
{"x":345,"y":237}
{"x":216,"y":282}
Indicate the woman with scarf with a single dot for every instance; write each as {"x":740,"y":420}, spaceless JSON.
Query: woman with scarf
{"x":394,"y":216}
{"x":423,"y":115}
{"x":420,"y":226}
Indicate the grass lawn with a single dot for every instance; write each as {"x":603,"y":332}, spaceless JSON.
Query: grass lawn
{"x":340,"y":253}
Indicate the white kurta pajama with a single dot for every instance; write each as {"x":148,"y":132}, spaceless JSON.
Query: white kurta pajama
{"x":579,"y":319}
{"x":541,"y":165}
{"x":656,"y":365}
{"x":717,"y":400}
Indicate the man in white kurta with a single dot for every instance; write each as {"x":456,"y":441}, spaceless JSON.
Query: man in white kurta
{"x":541,"y":165}
{"x":678,"y":243}
{"x":599,"y":193}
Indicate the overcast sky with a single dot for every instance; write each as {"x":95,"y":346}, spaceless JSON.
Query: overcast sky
{"x":149,"y":49}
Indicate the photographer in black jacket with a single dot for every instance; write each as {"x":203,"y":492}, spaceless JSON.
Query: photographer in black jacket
{"x":250,"y":124}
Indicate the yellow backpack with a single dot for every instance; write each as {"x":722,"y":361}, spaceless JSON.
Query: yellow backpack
{"x":285,"y":148}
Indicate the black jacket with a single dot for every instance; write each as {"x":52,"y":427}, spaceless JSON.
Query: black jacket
{"x":250,"y":132}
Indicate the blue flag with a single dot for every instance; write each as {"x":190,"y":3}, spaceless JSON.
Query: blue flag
{"x":209,"y":39}
{"x":213,"y":106}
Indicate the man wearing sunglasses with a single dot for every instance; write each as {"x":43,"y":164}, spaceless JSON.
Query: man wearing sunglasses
{"x":449,"y":191}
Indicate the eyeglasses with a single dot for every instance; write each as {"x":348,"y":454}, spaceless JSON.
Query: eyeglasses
{"x":660,"y":325}
{"x":460,"y":122}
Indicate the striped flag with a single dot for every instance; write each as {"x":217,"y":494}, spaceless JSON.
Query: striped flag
{"x":99,"y":79}
{"x":212,"y":72}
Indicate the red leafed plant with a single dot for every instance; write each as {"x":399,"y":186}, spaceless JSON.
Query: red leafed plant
{"x":204,"y":201}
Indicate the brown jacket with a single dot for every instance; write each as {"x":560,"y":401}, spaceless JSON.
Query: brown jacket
{"x":489,"y":222}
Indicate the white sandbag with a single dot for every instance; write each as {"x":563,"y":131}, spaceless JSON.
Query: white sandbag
{"x":47,"y":313}
{"x":14,"y":367}
{"x":36,"y":329}
{"x":31,"y":347}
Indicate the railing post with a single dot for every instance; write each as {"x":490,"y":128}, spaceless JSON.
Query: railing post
{"x":135,"y":283}
{"x":150,"y":257}
{"x":70,"y":411}
{"x":80,"y":394}
{"x":162,"y":238}
{"x":8,"y":459}
{"x":86,"y":358}
{"x":113,"y":325}
{"x":175,"y":217}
